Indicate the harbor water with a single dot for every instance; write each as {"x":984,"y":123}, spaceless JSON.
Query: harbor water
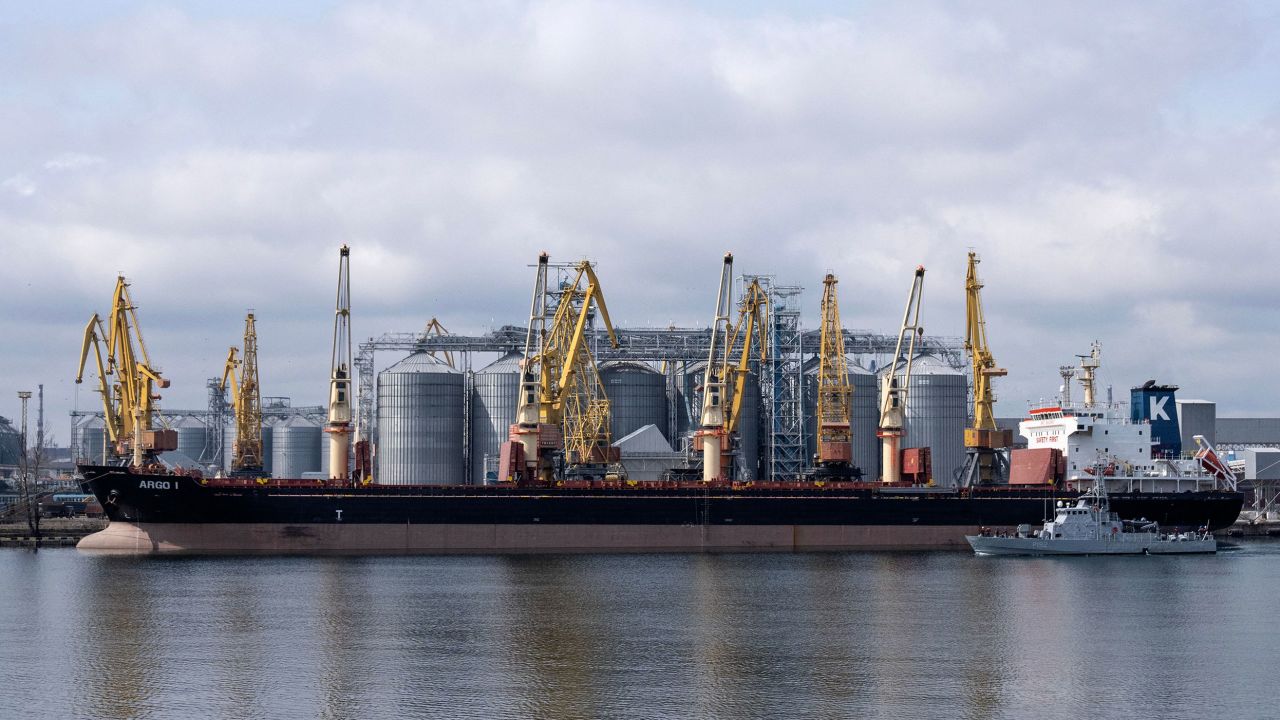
{"x":878,"y":635}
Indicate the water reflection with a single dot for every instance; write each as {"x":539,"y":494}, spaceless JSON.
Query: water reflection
{"x":117,"y":642}
{"x":933,"y":635}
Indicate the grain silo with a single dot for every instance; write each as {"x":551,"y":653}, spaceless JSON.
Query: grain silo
{"x":637,"y":397}
{"x":864,"y":418}
{"x":493,"y":411}
{"x":937,"y":411}
{"x":88,"y":444}
{"x":192,"y":435}
{"x":295,"y":447}
{"x":420,"y":423}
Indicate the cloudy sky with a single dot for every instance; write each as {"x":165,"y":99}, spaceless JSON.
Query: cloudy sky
{"x":1115,"y":164}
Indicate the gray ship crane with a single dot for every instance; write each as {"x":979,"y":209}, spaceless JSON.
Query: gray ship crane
{"x":893,"y":394}
{"x":712,"y":438}
{"x":339,"y":425}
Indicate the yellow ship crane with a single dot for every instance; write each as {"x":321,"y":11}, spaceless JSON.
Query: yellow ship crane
{"x":562,"y":405}
{"x":126,"y":379}
{"x":835,"y":394}
{"x":751,"y":331}
{"x":984,"y":463}
{"x":246,"y":454}
{"x":893,"y":392}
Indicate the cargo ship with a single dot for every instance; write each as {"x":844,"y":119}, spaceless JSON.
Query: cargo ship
{"x":163,"y":512}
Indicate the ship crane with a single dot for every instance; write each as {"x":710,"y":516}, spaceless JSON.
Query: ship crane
{"x":835,"y":394}
{"x":562,"y":408}
{"x":339,"y":424}
{"x":724,"y":380}
{"x":749,"y":333}
{"x":246,"y":402}
{"x":126,"y":380}
{"x":984,"y":463}
{"x":893,"y":395}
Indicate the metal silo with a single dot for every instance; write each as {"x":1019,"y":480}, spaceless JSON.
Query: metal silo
{"x":191,"y":437}
{"x":637,"y":397}
{"x":864,"y":418}
{"x":90,"y":435}
{"x":295,"y":448}
{"x":936,"y":413}
{"x":493,"y":411}
{"x":420,"y":423}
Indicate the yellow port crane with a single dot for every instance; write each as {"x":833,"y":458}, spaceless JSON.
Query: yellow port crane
{"x":835,"y":394}
{"x":893,"y":392}
{"x":983,"y":464}
{"x":126,"y":380}
{"x":435,"y":329}
{"x":562,"y":406}
{"x":750,"y":332}
{"x":246,"y":453}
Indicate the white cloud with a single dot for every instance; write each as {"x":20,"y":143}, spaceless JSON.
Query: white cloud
{"x":71,"y":161}
{"x":19,"y":185}
{"x":449,"y":144}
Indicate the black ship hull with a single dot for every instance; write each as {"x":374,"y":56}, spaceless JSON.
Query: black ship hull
{"x":164,"y":513}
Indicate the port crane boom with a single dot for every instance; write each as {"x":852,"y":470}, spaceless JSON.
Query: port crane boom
{"x":246,"y":402}
{"x":982,"y":441}
{"x":129,"y":399}
{"x":893,"y":394}
{"x":835,"y":394}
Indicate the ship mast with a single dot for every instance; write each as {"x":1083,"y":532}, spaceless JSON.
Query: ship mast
{"x":1089,"y":365}
{"x":339,"y":425}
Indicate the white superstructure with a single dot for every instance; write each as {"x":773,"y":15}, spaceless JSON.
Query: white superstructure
{"x":1098,"y":434}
